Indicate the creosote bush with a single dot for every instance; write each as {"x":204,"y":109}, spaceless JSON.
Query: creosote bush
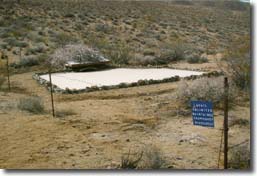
{"x":31,"y":104}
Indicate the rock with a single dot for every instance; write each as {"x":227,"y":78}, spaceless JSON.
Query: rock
{"x":193,"y":139}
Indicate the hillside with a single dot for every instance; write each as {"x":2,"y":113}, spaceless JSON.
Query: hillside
{"x":127,"y":32}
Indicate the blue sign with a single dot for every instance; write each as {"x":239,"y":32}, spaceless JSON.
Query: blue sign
{"x":202,"y":113}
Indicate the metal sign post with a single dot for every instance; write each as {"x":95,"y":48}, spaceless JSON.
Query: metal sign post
{"x":226,"y":122}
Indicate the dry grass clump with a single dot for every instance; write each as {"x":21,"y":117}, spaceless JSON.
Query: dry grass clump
{"x":150,"y":157}
{"x":131,"y":161}
{"x":31,"y":104}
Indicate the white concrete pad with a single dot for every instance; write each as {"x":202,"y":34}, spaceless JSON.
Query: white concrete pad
{"x":81,"y":80}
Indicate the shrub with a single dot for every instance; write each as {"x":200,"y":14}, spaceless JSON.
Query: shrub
{"x":173,"y":52}
{"x":61,"y":39}
{"x":105,"y":28}
{"x":196,"y":59}
{"x":131,"y":161}
{"x":149,"y":53}
{"x":206,"y":89}
{"x":240,"y":157}
{"x":119,"y":53}
{"x":32,"y":104}
{"x":39,"y":48}
{"x":2,"y":80}
{"x":238,"y":60}
{"x":149,"y":157}
{"x":26,"y":62}
{"x":64,"y":113}
{"x":78,"y":52}
{"x":152,"y":159}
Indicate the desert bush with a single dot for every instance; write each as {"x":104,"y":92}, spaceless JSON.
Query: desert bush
{"x":152,"y":158}
{"x":2,"y":80}
{"x":238,"y":60}
{"x":149,"y":157}
{"x":240,"y":122}
{"x":142,"y":60}
{"x":26,"y":62}
{"x":131,"y":161}
{"x":76,"y":52}
{"x":206,"y":89}
{"x":119,"y":53}
{"x":105,"y":28}
{"x":32,"y":104}
{"x":38,"y":48}
{"x":65,"y":112}
{"x":196,"y":59}
{"x":149,"y":52}
{"x":240,"y":157}
{"x":173,"y":52}
{"x":61,"y":39}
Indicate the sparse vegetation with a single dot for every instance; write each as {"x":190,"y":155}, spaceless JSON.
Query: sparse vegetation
{"x":152,"y":159}
{"x":26,"y":62}
{"x":208,"y":89}
{"x":240,"y":157}
{"x":238,"y":60}
{"x":32,"y":104}
{"x":196,"y":59}
{"x":65,"y":112}
{"x":131,"y":161}
{"x":149,"y":158}
{"x":2,"y":80}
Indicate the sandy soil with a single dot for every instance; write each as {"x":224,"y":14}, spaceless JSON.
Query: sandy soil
{"x":106,"y":125}
{"x":113,"y":77}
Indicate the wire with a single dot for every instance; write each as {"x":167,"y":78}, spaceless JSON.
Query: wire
{"x":221,"y":139}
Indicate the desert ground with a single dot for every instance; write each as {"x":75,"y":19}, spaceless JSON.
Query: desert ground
{"x":151,"y":123}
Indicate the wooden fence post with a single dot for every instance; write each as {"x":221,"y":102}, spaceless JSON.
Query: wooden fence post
{"x":226,"y":87}
{"x":51,"y":90}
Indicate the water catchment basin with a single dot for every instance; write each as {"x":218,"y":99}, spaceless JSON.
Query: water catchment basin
{"x":81,"y":80}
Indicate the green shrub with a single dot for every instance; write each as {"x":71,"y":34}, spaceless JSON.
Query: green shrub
{"x":32,"y":104}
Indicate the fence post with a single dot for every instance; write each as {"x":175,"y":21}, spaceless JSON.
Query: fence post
{"x":8,"y":72}
{"x":51,"y":90}
{"x":226,"y":87}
